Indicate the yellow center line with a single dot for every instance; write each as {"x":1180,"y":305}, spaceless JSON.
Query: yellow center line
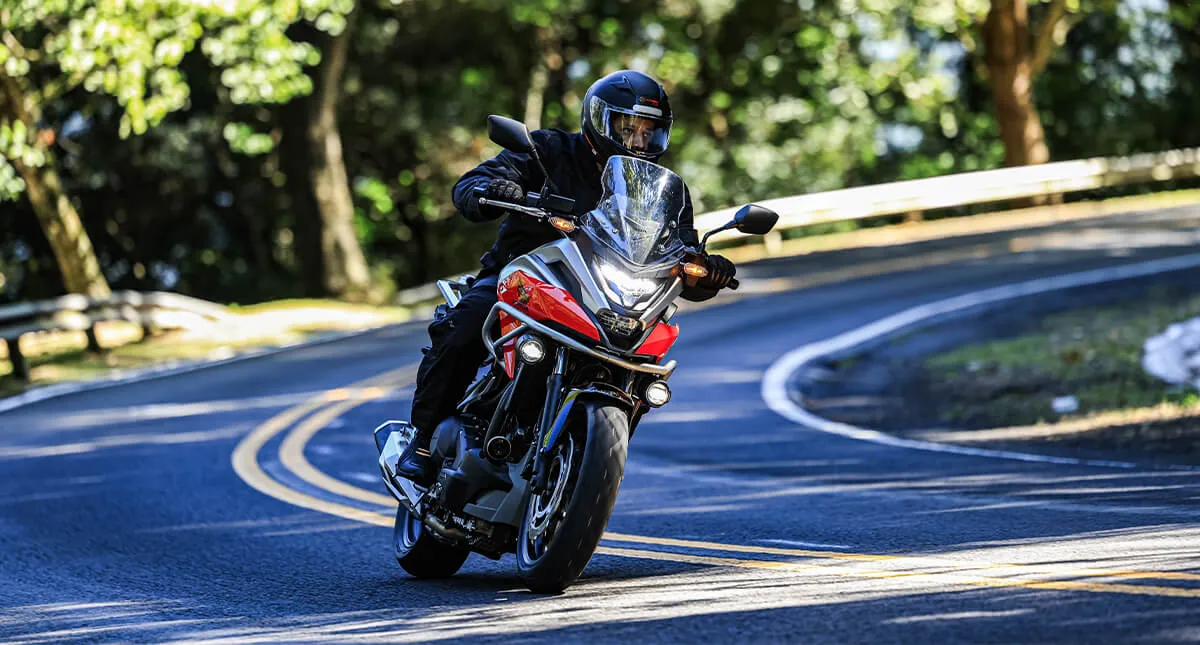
{"x":291,"y":451}
{"x":323,"y":409}
{"x":942,"y":577}
{"x":245,"y":457}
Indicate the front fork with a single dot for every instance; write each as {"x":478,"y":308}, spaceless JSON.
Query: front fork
{"x":549,"y":412}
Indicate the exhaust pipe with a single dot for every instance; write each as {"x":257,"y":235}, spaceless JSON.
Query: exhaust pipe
{"x":499,"y":448}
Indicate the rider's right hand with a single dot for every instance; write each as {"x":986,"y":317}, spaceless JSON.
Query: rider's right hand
{"x":504,"y":190}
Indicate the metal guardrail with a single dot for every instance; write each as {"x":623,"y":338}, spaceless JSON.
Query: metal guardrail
{"x":151,"y":311}
{"x":919,"y":195}
{"x":961,"y":189}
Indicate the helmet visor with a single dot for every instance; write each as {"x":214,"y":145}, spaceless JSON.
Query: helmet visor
{"x":640,"y":131}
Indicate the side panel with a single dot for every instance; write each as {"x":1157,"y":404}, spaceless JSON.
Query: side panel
{"x":546,"y":302}
{"x":659,"y":342}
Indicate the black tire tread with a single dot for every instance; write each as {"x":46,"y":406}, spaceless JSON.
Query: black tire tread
{"x":591,"y":503}
{"x":428,"y":558}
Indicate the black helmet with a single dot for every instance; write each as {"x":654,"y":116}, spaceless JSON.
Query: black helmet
{"x":627,"y":113}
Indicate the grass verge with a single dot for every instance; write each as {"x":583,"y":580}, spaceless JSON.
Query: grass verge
{"x":1092,"y":354}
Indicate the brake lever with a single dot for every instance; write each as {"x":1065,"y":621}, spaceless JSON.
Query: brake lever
{"x":525,"y":210}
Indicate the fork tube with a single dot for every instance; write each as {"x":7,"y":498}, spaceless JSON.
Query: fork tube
{"x":553,"y":392}
{"x":536,"y":470}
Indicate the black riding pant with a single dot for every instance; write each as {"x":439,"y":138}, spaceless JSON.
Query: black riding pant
{"x":451,"y":361}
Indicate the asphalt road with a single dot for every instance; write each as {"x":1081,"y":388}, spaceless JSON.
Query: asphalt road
{"x":241,"y":504}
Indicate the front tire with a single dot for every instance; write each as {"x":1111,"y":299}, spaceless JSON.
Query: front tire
{"x":561,"y":528}
{"x":421,"y":554}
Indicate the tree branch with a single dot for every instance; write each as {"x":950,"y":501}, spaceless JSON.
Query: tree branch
{"x":17,"y":48}
{"x":1049,"y":36}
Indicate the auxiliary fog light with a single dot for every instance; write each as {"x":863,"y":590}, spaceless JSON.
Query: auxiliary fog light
{"x":531,"y":350}
{"x":657,"y":394}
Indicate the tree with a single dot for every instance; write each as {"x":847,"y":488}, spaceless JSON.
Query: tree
{"x":1015,"y":51}
{"x":133,"y":52}
{"x":333,"y":263}
{"x":1014,"y":59}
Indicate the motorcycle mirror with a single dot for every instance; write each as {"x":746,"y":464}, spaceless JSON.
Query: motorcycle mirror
{"x":509,"y":134}
{"x":512,"y":135}
{"x":753,"y":219}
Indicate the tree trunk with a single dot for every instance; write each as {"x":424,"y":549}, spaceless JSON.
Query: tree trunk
{"x":539,"y":81}
{"x":345,"y":268}
{"x":58,"y":218}
{"x":1008,"y":57}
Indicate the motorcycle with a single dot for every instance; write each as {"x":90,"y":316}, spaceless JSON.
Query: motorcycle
{"x":532,"y":461}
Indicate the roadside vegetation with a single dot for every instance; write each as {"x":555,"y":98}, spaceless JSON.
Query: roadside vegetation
{"x":1092,"y":354}
{"x":63,"y":356}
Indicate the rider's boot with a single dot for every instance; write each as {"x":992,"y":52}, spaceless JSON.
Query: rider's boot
{"x":416,"y":464}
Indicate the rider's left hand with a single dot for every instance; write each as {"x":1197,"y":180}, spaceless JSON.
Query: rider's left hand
{"x":720,"y":272}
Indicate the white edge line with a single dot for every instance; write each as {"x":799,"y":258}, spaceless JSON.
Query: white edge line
{"x":775,"y":381}
{"x":127,"y":377}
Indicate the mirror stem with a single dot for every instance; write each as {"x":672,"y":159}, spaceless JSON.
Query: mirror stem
{"x":538,"y":159}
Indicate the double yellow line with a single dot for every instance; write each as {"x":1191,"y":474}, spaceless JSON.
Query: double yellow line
{"x":302,"y":422}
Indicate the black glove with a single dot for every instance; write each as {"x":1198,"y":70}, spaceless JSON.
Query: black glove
{"x":720,"y":272}
{"x":504,"y":190}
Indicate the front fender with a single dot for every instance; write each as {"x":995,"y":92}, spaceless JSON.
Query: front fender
{"x":578,"y":396}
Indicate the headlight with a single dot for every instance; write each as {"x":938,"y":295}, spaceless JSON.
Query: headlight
{"x":625,"y":288}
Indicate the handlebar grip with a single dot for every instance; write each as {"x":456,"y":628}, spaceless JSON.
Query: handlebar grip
{"x":479,"y":191}
{"x":733,"y":284}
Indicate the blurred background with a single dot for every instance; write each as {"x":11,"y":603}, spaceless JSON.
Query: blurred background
{"x":249,"y":150}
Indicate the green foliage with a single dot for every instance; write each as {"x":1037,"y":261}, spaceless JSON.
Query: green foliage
{"x":771,"y":99}
{"x":133,"y":50}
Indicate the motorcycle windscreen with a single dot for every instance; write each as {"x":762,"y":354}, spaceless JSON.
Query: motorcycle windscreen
{"x":638,"y":215}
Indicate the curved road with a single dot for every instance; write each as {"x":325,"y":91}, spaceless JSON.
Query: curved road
{"x":242,"y":504}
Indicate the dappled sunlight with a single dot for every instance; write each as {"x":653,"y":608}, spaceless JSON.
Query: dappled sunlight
{"x":699,"y":377}
{"x":297,"y":519}
{"x":124,"y":441}
{"x":780,"y":601}
{"x":73,"y":621}
{"x":103,"y":418}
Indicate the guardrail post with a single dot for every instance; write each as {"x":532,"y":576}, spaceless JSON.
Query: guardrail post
{"x":773,"y":242}
{"x":93,"y":343}
{"x":20,"y":367}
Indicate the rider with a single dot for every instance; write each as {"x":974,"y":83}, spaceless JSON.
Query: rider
{"x":624,"y":113}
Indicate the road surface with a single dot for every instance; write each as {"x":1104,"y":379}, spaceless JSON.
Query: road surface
{"x":242,"y":504}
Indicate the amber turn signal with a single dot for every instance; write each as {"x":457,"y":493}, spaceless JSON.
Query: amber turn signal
{"x":695,"y":270}
{"x":563,"y":224}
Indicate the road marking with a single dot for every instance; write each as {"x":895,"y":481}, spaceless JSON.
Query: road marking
{"x":944,"y":577}
{"x":291,"y":451}
{"x":245,"y":457}
{"x":812,"y":545}
{"x":775,"y":389}
{"x":323,"y":408}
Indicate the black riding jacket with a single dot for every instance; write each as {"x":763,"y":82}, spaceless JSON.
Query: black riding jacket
{"x":575,"y":173}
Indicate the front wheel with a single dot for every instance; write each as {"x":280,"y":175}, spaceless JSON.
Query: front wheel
{"x":562,"y":525}
{"x":421,"y":554}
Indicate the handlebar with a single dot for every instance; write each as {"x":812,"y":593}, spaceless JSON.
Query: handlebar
{"x":733,"y":284}
{"x":525,"y":210}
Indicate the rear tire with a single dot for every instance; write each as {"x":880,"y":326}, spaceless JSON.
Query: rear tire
{"x":421,"y":554}
{"x":555,"y":544}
